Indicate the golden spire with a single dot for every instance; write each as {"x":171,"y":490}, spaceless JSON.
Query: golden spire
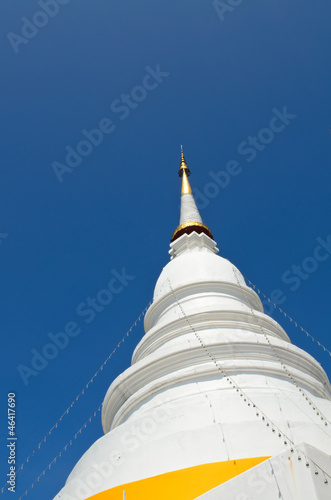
{"x":184,"y":172}
{"x":190,"y":219}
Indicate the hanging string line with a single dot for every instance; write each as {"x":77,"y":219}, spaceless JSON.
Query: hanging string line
{"x":231,"y":381}
{"x":82,"y":392}
{"x":316,"y":465}
{"x":242,"y":394}
{"x":292,"y":401}
{"x":64,"y":449}
{"x":283,"y":365}
{"x":234,"y":384}
{"x":288,"y":317}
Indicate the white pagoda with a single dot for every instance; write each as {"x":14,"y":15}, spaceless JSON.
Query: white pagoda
{"x":217,"y":404}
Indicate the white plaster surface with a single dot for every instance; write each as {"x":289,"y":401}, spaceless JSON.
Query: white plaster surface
{"x":295,"y":475}
{"x":174,"y":408}
{"x":188,"y":210}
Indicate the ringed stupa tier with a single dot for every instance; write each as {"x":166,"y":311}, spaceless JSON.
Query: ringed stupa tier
{"x":218,"y":403}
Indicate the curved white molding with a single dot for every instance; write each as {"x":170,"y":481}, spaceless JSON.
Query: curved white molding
{"x":205,"y":326}
{"x":250,"y":355}
{"x":194,"y":266}
{"x":256,"y":384}
{"x":241,"y":322}
{"x":204,"y":296}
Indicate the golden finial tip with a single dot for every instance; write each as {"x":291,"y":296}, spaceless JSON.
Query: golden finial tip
{"x":184,"y":172}
{"x":183,"y":166}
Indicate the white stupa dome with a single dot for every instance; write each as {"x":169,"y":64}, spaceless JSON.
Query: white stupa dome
{"x":196,"y":266}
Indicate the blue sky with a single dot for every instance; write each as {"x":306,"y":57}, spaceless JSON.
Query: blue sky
{"x":151,"y":76}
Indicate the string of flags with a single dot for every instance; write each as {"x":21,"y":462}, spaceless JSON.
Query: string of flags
{"x":228,"y":378}
{"x":259,"y":413}
{"x":283,"y":365}
{"x":246,"y":399}
{"x":82,"y":392}
{"x":64,"y":449}
{"x":288,"y":317}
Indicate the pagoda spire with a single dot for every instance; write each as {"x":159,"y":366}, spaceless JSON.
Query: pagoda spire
{"x":184,"y":172}
{"x":216,"y":396}
{"x":190,"y":218}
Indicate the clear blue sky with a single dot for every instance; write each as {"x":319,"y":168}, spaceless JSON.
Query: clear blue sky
{"x":218,"y":84}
